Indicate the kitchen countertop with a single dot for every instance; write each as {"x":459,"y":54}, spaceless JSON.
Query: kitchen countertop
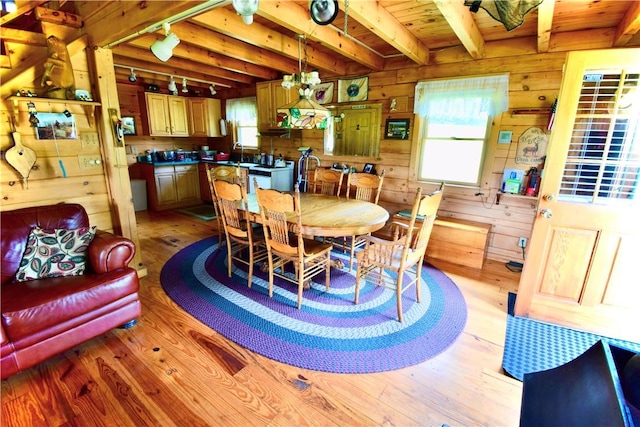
{"x":195,"y":162}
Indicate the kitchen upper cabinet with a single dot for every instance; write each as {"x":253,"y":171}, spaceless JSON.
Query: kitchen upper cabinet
{"x":269,"y":97}
{"x":167,"y":115}
{"x":204,"y":117}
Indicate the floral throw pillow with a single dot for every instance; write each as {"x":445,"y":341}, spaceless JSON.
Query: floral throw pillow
{"x":55,"y":253}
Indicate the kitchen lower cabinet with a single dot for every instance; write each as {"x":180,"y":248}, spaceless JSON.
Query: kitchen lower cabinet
{"x":171,"y":186}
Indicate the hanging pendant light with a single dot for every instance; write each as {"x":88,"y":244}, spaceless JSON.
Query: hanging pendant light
{"x":304,"y":112}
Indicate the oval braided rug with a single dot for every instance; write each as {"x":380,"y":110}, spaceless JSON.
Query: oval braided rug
{"x":329,"y":333}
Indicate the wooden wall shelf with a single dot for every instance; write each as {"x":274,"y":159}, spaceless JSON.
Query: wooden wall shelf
{"x":88,"y":106}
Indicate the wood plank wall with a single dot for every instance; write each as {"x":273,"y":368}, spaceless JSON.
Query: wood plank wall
{"x":46,"y":184}
{"x":534,"y":84}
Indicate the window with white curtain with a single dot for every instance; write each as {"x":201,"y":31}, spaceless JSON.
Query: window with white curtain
{"x":242,"y":113}
{"x":456,"y":119}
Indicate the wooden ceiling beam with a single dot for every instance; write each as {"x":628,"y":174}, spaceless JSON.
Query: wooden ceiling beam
{"x":628,"y":26}
{"x":141,"y":51}
{"x":202,"y":55}
{"x":260,"y":37}
{"x":24,"y":37}
{"x":297,"y":19}
{"x":462,"y":23}
{"x":163,"y":72}
{"x":58,"y":17}
{"x":545,"y":20}
{"x":115,"y":20}
{"x":380,"y":22}
{"x":123,"y":56}
{"x":19,"y":12}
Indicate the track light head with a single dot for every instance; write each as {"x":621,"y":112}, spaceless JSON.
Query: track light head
{"x":132,"y":76}
{"x":163,"y":49}
{"x":246,"y":9}
{"x":172,"y":86}
{"x":212,"y":89}
{"x":184,"y":86}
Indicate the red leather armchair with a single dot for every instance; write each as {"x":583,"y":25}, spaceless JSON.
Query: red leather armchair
{"x":44,"y":317}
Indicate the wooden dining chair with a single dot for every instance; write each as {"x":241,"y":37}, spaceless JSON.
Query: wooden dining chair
{"x":309,"y":257}
{"x":222,"y":173}
{"x":240,"y":235}
{"x":402,"y":255}
{"x":327,"y":181}
{"x":361,"y":186}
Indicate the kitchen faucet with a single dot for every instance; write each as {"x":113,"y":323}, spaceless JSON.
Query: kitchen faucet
{"x":235,"y":145}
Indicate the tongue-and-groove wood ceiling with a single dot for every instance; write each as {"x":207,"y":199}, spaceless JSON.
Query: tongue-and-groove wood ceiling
{"x":217,"y":47}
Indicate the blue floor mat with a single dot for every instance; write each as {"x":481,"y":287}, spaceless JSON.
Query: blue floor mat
{"x":532,"y":346}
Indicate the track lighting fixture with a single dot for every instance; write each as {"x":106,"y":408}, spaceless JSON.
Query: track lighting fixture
{"x":246,"y":9}
{"x":212,"y":90}
{"x":184,"y":86}
{"x":323,"y":12}
{"x":172,"y":86}
{"x":163,"y":49}
{"x":132,"y":76}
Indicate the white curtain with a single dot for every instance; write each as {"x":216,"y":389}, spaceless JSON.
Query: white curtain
{"x":462,"y":100}
{"x":242,"y":111}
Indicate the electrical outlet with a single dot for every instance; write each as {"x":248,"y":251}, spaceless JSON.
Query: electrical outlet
{"x":522,"y":242}
{"x":90,"y":162}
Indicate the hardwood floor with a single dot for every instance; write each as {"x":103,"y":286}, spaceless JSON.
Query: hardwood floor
{"x":171,"y":370}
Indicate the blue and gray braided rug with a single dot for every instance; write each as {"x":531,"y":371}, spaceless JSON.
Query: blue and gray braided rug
{"x":329,"y":333}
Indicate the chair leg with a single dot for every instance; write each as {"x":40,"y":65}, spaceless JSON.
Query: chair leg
{"x":399,"y":296}
{"x":357,"y":291}
{"x":300,"y":274}
{"x":418,"y":280}
{"x":353,"y":249}
{"x":270,"y":258}
{"x":229,"y":257}
{"x":250,"y":278}
{"x":328,"y":272}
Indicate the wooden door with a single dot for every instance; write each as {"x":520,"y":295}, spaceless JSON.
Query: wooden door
{"x":357,"y":131}
{"x":166,"y":188}
{"x":580,"y":267}
{"x":178,"y":115}
{"x":264,"y":102}
{"x":187,"y":183}
{"x":197,"y":117}
{"x":158,"y":114}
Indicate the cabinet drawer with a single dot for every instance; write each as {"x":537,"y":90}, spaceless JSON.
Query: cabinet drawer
{"x":163,"y":170}
{"x":186,"y":168}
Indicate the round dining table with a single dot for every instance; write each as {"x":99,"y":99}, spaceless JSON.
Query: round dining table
{"x":332,"y":216}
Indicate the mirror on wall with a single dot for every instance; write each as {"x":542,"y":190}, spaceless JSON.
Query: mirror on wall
{"x":354,"y":130}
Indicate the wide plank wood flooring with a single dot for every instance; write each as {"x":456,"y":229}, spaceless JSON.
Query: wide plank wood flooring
{"x":171,"y":370}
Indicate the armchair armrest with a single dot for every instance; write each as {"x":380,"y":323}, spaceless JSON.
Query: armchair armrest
{"x":108,"y":252}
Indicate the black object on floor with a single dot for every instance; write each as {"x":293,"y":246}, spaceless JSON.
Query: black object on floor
{"x":586,"y":391}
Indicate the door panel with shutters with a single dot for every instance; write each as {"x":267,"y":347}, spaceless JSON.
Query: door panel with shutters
{"x":586,"y":236}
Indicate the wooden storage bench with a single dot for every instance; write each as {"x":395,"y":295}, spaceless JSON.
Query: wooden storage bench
{"x":459,"y":241}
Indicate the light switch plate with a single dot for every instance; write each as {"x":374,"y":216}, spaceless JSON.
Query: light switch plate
{"x":89,"y":139}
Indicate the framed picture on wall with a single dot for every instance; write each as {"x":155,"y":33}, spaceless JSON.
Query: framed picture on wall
{"x":350,"y":90}
{"x":397,"y":129}
{"x":368,"y":168}
{"x":128,"y":125}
